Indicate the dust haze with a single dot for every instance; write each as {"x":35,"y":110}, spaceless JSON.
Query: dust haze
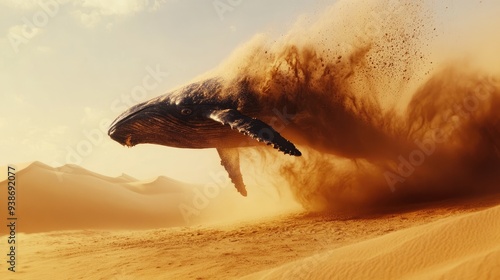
{"x":396,"y":117}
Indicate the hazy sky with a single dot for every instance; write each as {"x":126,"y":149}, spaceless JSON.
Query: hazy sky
{"x":70,"y":65}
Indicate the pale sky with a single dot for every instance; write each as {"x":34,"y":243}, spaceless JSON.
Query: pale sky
{"x":69,"y":66}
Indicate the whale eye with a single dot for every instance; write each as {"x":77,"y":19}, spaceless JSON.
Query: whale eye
{"x":186,"y":111}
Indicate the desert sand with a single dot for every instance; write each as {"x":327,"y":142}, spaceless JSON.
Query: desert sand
{"x":134,"y":239}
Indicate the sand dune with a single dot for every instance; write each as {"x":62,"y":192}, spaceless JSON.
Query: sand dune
{"x":158,"y":185}
{"x":463,"y":247}
{"x":71,"y":197}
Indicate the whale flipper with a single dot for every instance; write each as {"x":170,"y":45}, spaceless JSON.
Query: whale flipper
{"x":254,"y":128}
{"x":230,"y":159}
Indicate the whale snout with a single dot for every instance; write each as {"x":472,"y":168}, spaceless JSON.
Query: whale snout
{"x":125,"y":139}
{"x":134,"y":122}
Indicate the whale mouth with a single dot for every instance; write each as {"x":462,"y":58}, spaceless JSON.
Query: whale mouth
{"x":119,"y":135}
{"x":128,"y":141}
{"x":125,"y":141}
{"x":122,"y":128}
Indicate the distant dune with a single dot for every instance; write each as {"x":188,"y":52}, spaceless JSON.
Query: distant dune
{"x":70,"y":197}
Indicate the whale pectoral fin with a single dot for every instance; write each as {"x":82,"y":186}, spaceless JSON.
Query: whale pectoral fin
{"x":230,"y":159}
{"x":256,"y":129}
